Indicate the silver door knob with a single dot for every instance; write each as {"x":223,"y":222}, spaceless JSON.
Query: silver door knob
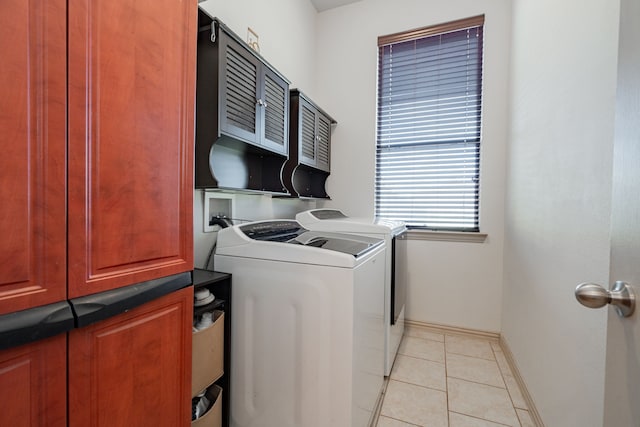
{"x":621,"y":296}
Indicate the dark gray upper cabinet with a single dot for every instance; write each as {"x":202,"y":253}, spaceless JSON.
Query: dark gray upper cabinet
{"x":242,"y":114}
{"x":253,"y":98}
{"x":309,"y":161}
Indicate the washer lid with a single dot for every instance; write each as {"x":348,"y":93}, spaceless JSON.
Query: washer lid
{"x":335,"y":220}
{"x":337,"y":243}
{"x":292,"y":232}
{"x":287,"y":240}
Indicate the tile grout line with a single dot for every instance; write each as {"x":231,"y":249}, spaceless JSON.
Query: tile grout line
{"x":402,"y":421}
{"x":482,"y":419}
{"x":491,"y":338}
{"x":513,"y":367}
{"x":506,"y":386}
{"x":420,"y":358}
{"x":488,"y":385}
{"x":418,"y":385}
{"x":475,"y":357}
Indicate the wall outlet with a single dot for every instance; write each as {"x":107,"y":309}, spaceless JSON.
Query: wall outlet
{"x":217,"y":204}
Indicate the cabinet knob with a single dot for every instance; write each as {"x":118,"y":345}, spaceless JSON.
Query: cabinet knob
{"x":261,"y":103}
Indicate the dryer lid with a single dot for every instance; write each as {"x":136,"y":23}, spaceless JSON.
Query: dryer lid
{"x":335,"y":220}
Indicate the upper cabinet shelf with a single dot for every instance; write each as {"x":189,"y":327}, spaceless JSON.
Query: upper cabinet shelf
{"x":309,"y":163}
{"x":242,"y":114}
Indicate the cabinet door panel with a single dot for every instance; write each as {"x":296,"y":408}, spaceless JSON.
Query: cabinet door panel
{"x":131,"y":101}
{"x":274,"y":114}
{"x":33,"y":384}
{"x":238,"y":91}
{"x":32,"y":165}
{"x":135,"y":368}
{"x":323,"y":147}
{"x":307,"y":136}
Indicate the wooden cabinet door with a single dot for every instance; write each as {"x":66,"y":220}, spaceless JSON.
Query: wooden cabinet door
{"x":33,"y":384}
{"x":32,"y":164}
{"x":131,"y":120}
{"x":134,"y":369}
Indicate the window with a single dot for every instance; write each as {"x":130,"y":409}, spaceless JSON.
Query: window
{"x":429,"y":126}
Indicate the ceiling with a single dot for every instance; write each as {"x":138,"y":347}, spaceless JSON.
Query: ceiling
{"x":322,"y":5}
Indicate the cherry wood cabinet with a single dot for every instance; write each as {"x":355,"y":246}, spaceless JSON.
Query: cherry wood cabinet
{"x":97,"y":118}
{"x":131,"y":115}
{"x":33,"y":384}
{"x":32,"y":164}
{"x":130,"y":146}
{"x":134,"y":369}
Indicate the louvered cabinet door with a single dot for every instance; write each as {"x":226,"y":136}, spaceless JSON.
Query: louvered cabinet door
{"x":239,"y":86}
{"x":323,"y":143}
{"x":307,"y":137}
{"x":315,"y":137}
{"x":274,"y":112}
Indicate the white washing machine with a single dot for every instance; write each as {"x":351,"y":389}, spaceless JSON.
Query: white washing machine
{"x":307,"y":332}
{"x":394,"y":235}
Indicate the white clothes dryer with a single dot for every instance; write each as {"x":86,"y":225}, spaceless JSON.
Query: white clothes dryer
{"x":307,"y":338}
{"x":395,"y":289}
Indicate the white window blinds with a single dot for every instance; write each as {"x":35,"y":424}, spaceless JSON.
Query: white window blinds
{"x":429,"y":126}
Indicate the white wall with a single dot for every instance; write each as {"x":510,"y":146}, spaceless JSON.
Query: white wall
{"x":457,"y":284}
{"x":557,"y":218}
{"x":286,"y":31}
{"x":247,"y":208}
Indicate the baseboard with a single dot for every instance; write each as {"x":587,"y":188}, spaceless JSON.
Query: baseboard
{"x":378,"y":407}
{"x":533,"y":412}
{"x":453,"y":330}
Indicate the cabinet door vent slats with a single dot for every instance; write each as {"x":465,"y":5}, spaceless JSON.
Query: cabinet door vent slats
{"x":239,"y":116}
{"x":324,"y":133}
{"x":308,"y":133}
{"x":240,"y":99}
{"x":276,"y":111}
{"x":306,"y":172}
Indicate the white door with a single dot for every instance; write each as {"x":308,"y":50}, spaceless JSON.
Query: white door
{"x":622,"y":379}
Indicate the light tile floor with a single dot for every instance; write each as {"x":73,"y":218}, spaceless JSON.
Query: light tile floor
{"x":442,"y":380}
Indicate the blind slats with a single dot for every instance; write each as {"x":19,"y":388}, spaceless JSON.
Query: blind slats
{"x":429,"y":128}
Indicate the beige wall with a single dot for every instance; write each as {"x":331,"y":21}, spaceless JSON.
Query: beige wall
{"x":286,"y":31}
{"x":546,"y":149}
{"x":559,"y":187}
{"x":458,"y":284}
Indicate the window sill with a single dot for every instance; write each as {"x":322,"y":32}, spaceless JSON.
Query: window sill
{"x":447,"y":236}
